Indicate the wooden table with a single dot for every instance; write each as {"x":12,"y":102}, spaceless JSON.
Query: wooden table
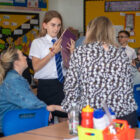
{"x":54,"y":132}
{"x":59,"y":130}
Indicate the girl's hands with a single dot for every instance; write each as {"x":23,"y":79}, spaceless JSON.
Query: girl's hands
{"x":57,"y":46}
{"x":71,"y":45}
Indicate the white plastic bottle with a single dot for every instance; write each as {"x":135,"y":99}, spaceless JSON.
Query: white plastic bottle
{"x":99,"y":119}
{"x":73,"y":119}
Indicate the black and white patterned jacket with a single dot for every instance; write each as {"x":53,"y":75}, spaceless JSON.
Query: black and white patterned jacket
{"x":97,"y":75}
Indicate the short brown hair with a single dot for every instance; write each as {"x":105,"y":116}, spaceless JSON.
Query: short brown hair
{"x":125,"y":32}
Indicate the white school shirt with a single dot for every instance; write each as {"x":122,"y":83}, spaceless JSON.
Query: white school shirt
{"x":130,"y":53}
{"x":40,"y":48}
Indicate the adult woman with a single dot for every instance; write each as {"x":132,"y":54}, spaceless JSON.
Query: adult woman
{"x":15,"y":92}
{"x":99,"y":72}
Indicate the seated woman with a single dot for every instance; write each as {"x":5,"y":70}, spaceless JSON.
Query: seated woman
{"x":100,"y":72}
{"x":15,"y":92}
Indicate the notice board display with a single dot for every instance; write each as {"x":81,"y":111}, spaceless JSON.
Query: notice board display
{"x":37,"y":4}
{"x":117,"y":6}
{"x":18,"y":29}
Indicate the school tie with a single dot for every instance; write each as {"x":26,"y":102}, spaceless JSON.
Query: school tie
{"x":58,"y":60}
{"x":123,"y":48}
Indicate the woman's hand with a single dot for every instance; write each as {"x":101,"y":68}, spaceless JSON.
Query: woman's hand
{"x":54,"y":107}
{"x":51,"y":108}
{"x":71,"y":45}
{"x":57,"y":46}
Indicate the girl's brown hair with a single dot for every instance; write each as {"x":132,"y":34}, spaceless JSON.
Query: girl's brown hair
{"x":49,"y":16}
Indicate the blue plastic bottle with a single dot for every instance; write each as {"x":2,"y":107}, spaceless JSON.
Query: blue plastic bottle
{"x":112,"y":114}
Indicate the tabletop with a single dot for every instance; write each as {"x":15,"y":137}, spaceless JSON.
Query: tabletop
{"x":54,"y":132}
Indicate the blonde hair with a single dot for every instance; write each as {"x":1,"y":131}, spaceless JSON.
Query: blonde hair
{"x":48,"y":17}
{"x":7,"y":59}
{"x":101,"y":29}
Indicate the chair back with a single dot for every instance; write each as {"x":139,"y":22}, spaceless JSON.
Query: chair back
{"x":22,"y":120}
{"x":137,"y":97}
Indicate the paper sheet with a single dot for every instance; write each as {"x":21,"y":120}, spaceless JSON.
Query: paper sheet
{"x":75,"y":138}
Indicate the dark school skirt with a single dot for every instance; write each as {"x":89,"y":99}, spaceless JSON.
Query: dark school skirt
{"x":1,"y":134}
{"x":51,"y":92}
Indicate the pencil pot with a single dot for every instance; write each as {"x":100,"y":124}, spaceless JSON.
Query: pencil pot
{"x":123,"y":132}
{"x":89,"y":134}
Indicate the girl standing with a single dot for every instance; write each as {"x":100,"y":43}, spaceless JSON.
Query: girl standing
{"x":46,"y":60}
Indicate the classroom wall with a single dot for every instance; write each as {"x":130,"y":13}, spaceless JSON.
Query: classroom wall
{"x":71,"y":11}
{"x":97,"y":8}
{"x":20,"y":37}
{"x":41,"y":13}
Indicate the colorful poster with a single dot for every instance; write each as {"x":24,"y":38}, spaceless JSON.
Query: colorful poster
{"x":22,"y":3}
{"x":32,"y":3}
{"x":117,"y":6}
{"x":25,"y":3}
{"x":18,"y":30}
{"x":6,"y":2}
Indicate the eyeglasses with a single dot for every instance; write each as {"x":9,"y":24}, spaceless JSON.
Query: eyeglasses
{"x":138,"y":53}
{"x":122,"y":36}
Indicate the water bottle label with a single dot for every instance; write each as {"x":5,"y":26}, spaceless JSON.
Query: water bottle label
{"x":73,"y":126}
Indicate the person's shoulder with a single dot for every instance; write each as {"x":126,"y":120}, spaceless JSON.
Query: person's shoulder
{"x":90,"y":45}
{"x":81,"y":48}
{"x":118,"y":52}
{"x":12,"y":75}
{"x":38,"y":39}
{"x":96,"y":45}
{"x":37,"y":43}
{"x":130,"y":48}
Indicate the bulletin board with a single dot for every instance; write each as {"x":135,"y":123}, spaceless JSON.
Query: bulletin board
{"x":32,"y":5}
{"x":127,"y":18}
{"x":18,"y":29}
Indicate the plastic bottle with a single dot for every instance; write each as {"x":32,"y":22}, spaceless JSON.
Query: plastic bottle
{"x":112,"y":114}
{"x":87,"y":117}
{"x":73,"y":119}
{"x":99,"y":119}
